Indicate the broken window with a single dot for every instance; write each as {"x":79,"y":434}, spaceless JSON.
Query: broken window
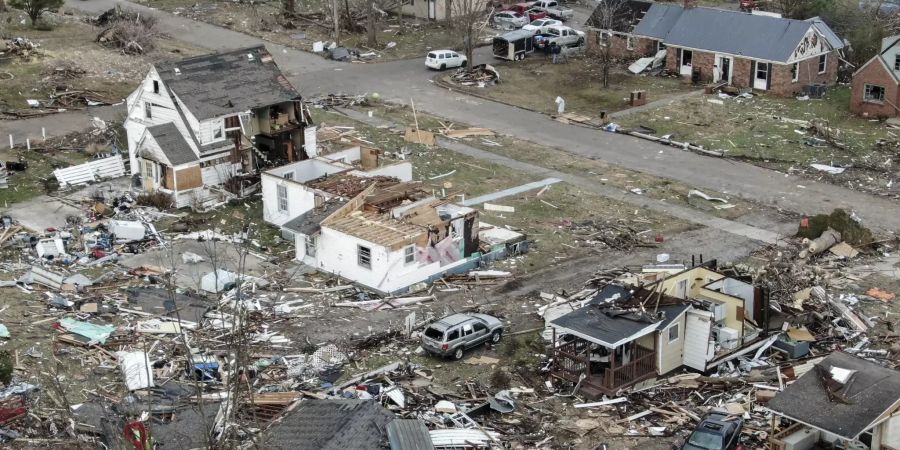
{"x":409,"y":254}
{"x":823,"y":62}
{"x":364,"y":256}
{"x":874,"y":93}
{"x":467,"y":329}
{"x":673,"y":332}
{"x":795,"y":72}
{"x":896,"y":62}
{"x":282,"y":199}
{"x":453,"y":335}
{"x":311,"y":246}
{"x":148,"y":112}
{"x":155,"y":87}
{"x":217,"y":133}
{"x":629,"y":42}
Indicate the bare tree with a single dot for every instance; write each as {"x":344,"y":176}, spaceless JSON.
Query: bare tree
{"x":796,"y":9}
{"x":468,"y":19}
{"x":448,"y":13}
{"x":288,"y":8}
{"x":606,"y":16}
{"x":2,"y":5}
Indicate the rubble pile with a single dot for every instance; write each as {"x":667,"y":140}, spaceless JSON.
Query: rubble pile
{"x":19,"y":46}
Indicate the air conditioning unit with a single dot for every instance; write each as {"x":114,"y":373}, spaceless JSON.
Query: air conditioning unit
{"x":728,"y":338}
{"x":803,"y":439}
{"x":718,"y":309}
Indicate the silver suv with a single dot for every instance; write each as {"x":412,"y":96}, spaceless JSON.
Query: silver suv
{"x":453,"y":334}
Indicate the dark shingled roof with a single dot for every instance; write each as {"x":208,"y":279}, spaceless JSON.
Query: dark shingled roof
{"x":873,"y":390}
{"x":409,"y":434}
{"x":172,"y":143}
{"x":331,"y":425}
{"x":671,"y":312}
{"x":310,"y":222}
{"x":732,"y":32}
{"x":626,"y":14}
{"x":219,"y":84}
{"x":603,"y":324}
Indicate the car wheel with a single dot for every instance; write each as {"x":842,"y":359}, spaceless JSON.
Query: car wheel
{"x":463,"y":64}
{"x":580,"y":42}
{"x":443,"y":67}
{"x":458,"y":354}
{"x":495,"y":337}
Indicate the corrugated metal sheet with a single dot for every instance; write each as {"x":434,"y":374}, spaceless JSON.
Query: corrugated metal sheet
{"x":98,"y":169}
{"x":409,"y":434}
{"x":461,"y":438}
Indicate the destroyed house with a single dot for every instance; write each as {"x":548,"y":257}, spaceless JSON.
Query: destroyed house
{"x":843,"y":402}
{"x":201,"y":124}
{"x":662,"y":319}
{"x":331,"y":425}
{"x":875,"y":89}
{"x":748,"y":51}
{"x":612,"y":24}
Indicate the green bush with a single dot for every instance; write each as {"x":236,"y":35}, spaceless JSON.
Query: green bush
{"x":6,"y":367}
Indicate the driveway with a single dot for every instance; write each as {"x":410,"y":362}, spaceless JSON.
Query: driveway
{"x":403,"y":81}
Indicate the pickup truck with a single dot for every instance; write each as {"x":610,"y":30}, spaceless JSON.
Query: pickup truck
{"x":554,"y":10}
{"x":528,"y":11}
{"x":561,"y":35}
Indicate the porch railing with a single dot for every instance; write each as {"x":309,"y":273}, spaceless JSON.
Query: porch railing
{"x":643,"y":366}
{"x":572,"y":360}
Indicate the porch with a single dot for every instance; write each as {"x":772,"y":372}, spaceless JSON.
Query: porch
{"x":604,"y":370}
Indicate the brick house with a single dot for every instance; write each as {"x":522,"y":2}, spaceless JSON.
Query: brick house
{"x":762,"y":52}
{"x":875,"y":89}
{"x":617,"y":29}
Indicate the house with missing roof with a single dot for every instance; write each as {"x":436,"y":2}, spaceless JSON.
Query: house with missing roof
{"x":659,"y":320}
{"x":745,"y":50}
{"x":875,"y":89}
{"x":198,"y":126}
{"x":843,"y":402}
{"x":352,"y":215}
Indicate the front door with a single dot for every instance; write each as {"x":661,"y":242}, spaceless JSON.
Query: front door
{"x":761,"y":76}
{"x":722,"y":69}
{"x":687,"y":62}
{"x":432,"y":9}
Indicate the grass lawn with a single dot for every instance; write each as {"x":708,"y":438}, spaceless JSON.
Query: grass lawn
{"x":413,"y":38}
{"x":536,"y":82}
{"x":30,"y":183}
{"x":752,"y":129}
{"x":72,"y":43}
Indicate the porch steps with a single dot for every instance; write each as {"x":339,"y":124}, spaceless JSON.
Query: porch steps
{"x":591,"y":392}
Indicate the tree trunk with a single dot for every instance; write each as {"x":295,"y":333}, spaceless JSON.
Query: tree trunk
{"x":2,"y":5}
{"x":287,"y":7}
{"x":448,"y":13}
{"x":606,"y":63}
{"x":470,"y":49}
{"x":336,"y":18}
{"x":370,"y":24}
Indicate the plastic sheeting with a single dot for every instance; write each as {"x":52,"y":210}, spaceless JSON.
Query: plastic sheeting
{"x":98,"y":334}
{"x":136,"y":369}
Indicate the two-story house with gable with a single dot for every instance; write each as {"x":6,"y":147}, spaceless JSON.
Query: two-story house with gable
{"x":196,"y":124}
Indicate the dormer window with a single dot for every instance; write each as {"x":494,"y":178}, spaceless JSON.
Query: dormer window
{"x":217,"y":133}
{"x":155,"y":87}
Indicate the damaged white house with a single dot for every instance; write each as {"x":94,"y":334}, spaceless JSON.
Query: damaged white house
{"x":368,"y":223}
{"x":202,"y":124}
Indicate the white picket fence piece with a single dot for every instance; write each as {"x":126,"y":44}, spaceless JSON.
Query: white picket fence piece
{"x":96,"y":170}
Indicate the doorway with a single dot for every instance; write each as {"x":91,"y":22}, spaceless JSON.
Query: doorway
{"x":432,"y":10}
{"x":722,"y":69}
{"x":761,"y":76}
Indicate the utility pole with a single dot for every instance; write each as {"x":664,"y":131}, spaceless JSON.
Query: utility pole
{"x":337,"y":21}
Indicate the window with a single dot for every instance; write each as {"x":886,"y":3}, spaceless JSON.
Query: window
{"x":288,"y":175}
{"x":364,"y":256}
{"x":629,"y":42}
{"x":874,"y":93}
{"x":823,"y":62}
{"x":409,"y":254}
{"x":453,"y":335}
{"x":232,"y":122}
{"x":660,"y":45}
{"x":762,"y":71}
{"x":673,"y":332}
{"x":311,"y":246}
{"x":148,"y":110}
{"x":479,"y":327}
{"x":602,"y":38}
{"x":282,"y":199}
{"x":896,"y":62}
{"x":467,"y":329}
{"x":155,"y":87}
{"x":795,"y":72}
{"x":217,"y":133}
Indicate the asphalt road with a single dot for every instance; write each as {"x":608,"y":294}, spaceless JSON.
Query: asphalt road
{"x":407,"y":80}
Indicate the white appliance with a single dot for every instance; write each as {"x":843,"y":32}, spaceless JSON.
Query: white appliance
{"x":718,"y":309}
{"x":728,"y":338}
{"x":803,"y":439}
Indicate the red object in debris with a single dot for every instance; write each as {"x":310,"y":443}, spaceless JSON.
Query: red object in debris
{"x":12,"y":409}
{"x":98,"y":254}
{"x":362,"y":387}
{"x":136,"y":433}
{"x":804,"y":222}
{"x":660,"y":238}
{"x":50,"y":230}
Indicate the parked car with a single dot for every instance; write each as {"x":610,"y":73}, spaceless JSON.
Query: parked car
{"x":554,"y":9}
{"x":526,"y":10}
{"x":538,"y":26}
{"x":453,"y":334}
{"x":444,"y":59}
{"x":509,"y":19}
{"x":561,"y":35}
{"x":748,"y":5}
{"x":717,"y":431}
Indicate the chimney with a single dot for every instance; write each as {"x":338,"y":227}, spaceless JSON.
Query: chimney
{"x":690,"y":4}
